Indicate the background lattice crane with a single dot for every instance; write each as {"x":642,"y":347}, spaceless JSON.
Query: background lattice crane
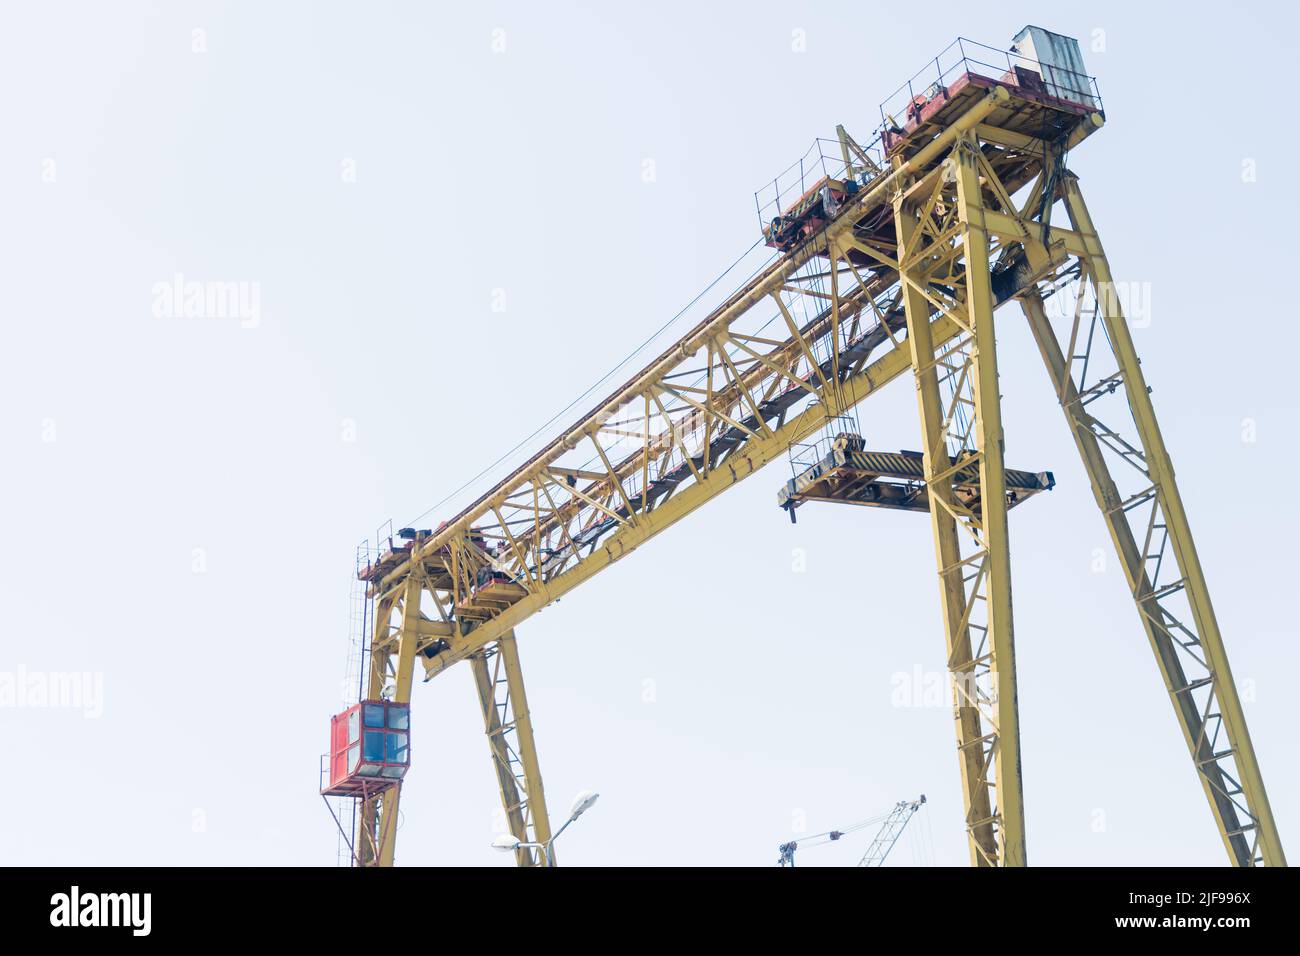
{"x":889,"y":828}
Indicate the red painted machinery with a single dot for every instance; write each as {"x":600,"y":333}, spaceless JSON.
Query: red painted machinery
{"x":809,"y":213}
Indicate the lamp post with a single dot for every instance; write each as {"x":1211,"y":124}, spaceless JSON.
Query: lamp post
{"x":508,"y":843}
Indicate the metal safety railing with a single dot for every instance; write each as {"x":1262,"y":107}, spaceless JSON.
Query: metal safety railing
{"x":966,"y":57}
{"x":823,"y":159}
{"x":804,"y":455}
{"x":360,"y":611}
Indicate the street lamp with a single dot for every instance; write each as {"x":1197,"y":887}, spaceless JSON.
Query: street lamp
{"x":508,"y":843}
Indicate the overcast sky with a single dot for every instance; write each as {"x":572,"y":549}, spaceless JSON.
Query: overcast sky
{"x":445,"y":232}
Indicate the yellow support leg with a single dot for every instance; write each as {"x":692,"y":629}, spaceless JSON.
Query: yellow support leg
{"x":1190,"y":653}
{"x":376,"y":840}
{"x":408,"y":638}
{"x":365,"y":839}
{"x":500,"y":685}
{"x":970,"y":733}
{"x":980,"y":655}
{"x":989,"y":445}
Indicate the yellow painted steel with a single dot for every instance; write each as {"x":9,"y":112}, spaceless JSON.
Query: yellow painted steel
{"x":365,"y":842}
{"x":856,"y":308}
{"x":500,"y":686}
{"x":512,"y":799}
{"x":532,"y":773}
{"x":376,"y":842}
{"x":933,"y":229}
{"x":992,"y":517}
{"x":1162,"y":475}
{"x":1228,"y":774}
{"x":972,"y":736}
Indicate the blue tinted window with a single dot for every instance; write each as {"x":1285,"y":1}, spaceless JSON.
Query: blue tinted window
{"x":374,"y":746}
{"x":397,"y":748}
{"x":374,"y":715}
{"x":399,"y":717}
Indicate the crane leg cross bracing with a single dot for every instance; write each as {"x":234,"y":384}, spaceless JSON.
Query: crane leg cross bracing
{"x":903,"y":276}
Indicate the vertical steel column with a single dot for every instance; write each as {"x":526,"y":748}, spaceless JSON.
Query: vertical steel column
{"x":365,"y":840}
{"x":986,"y":717}
{"x":407,"y":639}
{"x":993,"y":501}
{"x":970,"y":733}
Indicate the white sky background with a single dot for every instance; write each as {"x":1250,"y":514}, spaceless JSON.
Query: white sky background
{"x":522,"y":171}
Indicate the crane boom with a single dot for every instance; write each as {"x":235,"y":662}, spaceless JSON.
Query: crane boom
{"x":754,"y":397}
{"x":890,"y":831}
{"x":890,"y":828}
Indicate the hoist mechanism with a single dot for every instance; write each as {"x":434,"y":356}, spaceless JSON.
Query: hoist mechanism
{"x":849,"y":474}
{"x":886,"y":262}
{"x":890,"y":827}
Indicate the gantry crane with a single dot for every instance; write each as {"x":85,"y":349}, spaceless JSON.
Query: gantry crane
{"x":891,"y":827}
{"x":890,"y":266}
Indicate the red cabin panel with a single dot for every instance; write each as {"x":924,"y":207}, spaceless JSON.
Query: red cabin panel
{"x":370,"y":748}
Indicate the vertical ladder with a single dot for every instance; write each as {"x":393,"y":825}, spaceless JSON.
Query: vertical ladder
{"x":360,"y":612}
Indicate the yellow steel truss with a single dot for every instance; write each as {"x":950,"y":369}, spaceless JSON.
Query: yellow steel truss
{"x":509,"y":728}
{"x":1111,"y":417}
{"x":970,"y":542}
{"x":822,"y":328}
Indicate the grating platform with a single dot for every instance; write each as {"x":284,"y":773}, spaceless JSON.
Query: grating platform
{"x":893,"y":480}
